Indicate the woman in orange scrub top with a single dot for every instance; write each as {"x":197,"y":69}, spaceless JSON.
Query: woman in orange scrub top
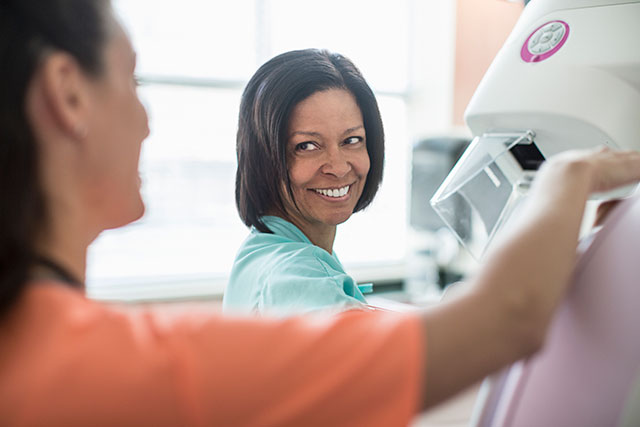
{"x":71,"y":127}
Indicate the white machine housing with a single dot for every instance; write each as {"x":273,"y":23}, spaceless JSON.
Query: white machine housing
{"x":568,"y":77}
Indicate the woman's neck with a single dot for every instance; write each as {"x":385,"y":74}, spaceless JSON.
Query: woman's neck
{"x":66,"y":241}
{"x":61,"y":260}
{"x":321,"y":235}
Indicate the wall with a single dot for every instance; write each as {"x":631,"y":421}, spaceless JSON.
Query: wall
{"x":482,"y":26}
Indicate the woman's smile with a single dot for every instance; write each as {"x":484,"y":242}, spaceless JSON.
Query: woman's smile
{"x":335,"y":194}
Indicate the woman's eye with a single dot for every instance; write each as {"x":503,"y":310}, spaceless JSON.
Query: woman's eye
{"x":353,"y":140}
{"x":305,"y":146}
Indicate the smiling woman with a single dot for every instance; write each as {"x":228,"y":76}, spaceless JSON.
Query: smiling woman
{"x":328,"y":164}
{"x":310,"y":154}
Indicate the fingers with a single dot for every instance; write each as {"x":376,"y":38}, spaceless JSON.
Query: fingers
{"x":606,"y":169}
{"x":614,"y":169}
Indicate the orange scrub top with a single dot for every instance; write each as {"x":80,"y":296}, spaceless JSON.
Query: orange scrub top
{"x":66,"y":360}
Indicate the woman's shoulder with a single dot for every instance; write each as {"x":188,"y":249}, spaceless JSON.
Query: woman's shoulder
{"x":266,"y":257}
{"x":305,"y":280}
{"x":285,"y":270}
{"x":263,"y":258}
{"x":291,"y":278}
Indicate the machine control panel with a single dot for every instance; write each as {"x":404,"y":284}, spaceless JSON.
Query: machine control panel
{"x":545,"y":41}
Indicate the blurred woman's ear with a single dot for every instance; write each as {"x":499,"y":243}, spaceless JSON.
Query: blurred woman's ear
{"x":62,"y":95}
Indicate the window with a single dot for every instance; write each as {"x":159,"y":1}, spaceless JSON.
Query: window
{"x":194,"y":58}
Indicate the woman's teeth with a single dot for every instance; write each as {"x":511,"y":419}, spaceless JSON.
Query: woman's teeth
{"x":333,"y":192}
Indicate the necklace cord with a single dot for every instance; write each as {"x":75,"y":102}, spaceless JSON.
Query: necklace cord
{"x":61,"y":272}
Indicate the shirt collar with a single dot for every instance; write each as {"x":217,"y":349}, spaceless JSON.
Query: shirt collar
{"x":284,"y":228}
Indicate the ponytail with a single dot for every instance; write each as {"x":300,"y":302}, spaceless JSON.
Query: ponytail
{"x":28,"y":30}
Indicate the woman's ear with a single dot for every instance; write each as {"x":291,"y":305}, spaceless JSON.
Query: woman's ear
{"x":65,"y":90}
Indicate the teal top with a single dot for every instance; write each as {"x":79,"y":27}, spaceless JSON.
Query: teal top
{"x":284,"y":273}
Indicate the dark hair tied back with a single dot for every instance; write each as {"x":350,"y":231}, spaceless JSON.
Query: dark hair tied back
{"x":29,"y":29}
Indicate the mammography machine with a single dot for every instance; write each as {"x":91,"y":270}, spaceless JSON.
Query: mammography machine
{"x":568,"y":77}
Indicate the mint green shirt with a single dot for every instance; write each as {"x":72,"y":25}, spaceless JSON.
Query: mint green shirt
{"x":284,"y":273}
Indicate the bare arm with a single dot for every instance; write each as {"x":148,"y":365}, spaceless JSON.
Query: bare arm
{"x":505,"y":315}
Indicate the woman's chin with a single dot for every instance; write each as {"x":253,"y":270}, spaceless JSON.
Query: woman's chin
{"x":127,"y":217}
{"x":140,"y":211}
{"x":337,"y":219}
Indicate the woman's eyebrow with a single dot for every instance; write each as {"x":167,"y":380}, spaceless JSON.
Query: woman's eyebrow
{"x":300,"y":132}
{"x":353,"y":129}
{"x":317,"y":134}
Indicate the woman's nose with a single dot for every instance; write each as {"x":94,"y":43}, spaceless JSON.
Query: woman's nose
{"x":337,"y":163}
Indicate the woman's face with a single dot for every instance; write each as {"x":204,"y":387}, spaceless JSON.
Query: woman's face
{"x":117,"y":126}
{"x":327,"y":158}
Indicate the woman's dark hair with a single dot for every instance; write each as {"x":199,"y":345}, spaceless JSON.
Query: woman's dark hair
{"x":29,"y":30}
{"x":267,"y":102}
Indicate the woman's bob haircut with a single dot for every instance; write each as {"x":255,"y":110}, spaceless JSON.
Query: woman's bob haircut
{"x":267,"y":102}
